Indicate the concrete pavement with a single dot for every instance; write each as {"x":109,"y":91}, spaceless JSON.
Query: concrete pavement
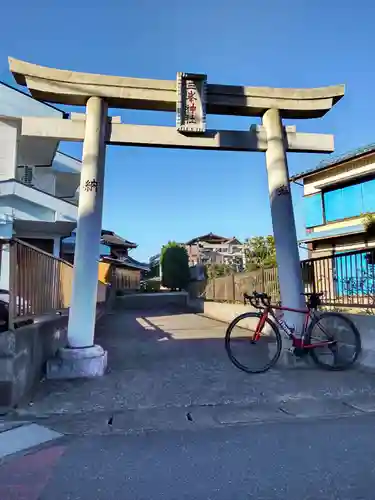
{"x":161,"y":359}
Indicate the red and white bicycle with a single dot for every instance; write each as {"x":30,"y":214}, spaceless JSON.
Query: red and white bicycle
{"x":253,"y":340}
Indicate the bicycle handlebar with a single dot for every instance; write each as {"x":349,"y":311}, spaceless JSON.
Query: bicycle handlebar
{"x":258,"y":300}
{"x":263,"y":301}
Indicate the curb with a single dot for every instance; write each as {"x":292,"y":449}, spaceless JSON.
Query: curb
{"x":134,"y":421}
{"x":21,"y":436}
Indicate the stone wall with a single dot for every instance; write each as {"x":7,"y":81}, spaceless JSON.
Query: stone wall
{"x":221,"y":311}
{"x":157,"y":300}
{"x":25,"y":351}
{"x":23,"y":354}
{"x":366,"y":326}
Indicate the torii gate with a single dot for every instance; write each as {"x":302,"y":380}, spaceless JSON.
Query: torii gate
{"x":191,"y":97}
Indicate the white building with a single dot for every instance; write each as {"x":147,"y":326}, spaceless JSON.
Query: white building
{"x":38,"y":185}
{"x":213,"y":249}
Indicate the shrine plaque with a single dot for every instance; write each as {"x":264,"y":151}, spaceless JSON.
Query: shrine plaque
{"x":191,"y":103}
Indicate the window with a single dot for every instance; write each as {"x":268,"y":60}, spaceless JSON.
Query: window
{"x":350,"y":200}
{"x":105,"y":249}
{"x":313,"y":210}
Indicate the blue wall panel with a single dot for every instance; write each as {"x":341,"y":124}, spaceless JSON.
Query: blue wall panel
{"x":350,"y":201}
{"x":368,"y":194}
{"x":105,"y":249}
{"x":313,"y":210}
{"x":333,"y":205}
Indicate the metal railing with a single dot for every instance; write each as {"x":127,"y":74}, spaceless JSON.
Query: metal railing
{"x":346,"y":280}
{"x":39,"y":283}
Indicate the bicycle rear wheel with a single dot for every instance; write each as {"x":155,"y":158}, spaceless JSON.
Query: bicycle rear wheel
{"x":247,"y":354}
{"x":346,"y":341}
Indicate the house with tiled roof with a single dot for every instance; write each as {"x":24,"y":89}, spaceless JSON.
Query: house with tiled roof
{"x":215,"y":249}
{"x":114,"y":261}
{"x":337,"y":195}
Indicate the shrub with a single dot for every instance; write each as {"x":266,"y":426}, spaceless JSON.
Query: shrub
{"x":174,"y":263}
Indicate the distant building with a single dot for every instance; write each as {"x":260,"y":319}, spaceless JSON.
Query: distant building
{"x":154,"y":264}
{"x":207,"y":249}
{"x":336,"y":195}
{"x":114,"y":260}
{"x":213,"y":249}
{"x":115,"y":250}
{"x":112,"y":248}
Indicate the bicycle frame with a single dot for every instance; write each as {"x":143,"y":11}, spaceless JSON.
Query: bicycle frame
{"x":297,"y":342}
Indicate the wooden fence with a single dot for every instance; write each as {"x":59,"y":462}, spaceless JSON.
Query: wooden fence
{"x":345,"y":279}
{"x":232,"y":288}
{"x":119,"y":277}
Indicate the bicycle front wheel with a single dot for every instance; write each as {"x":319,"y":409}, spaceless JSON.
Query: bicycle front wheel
{"x":248,"y":354}
{"x":344,"y":338}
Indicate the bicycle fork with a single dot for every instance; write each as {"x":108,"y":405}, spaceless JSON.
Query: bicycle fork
{"x":259,"y":327}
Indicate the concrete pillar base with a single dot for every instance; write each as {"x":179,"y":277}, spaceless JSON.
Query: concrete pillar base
{"x":287,"y":359}
{"x":86,"y":362}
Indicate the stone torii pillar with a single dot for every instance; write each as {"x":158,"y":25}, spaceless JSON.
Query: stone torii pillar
{"x":283,"y":222}
{"x":83,"y":358}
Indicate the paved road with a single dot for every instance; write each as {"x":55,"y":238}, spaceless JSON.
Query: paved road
{"x":303,"y":460}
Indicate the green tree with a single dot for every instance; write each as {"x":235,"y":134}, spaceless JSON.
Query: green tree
{"x":260,"y":252}
{"x":218,"y":270}
{"x":369,"y":223}
{"x":174,"y":263}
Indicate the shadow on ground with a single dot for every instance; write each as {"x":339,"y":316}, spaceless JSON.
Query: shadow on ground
{"x":173,"y":358}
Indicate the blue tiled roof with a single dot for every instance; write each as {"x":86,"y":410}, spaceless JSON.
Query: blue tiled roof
{"x":335,"y":160}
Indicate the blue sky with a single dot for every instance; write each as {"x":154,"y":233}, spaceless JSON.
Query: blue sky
{"x":154,"y":195}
